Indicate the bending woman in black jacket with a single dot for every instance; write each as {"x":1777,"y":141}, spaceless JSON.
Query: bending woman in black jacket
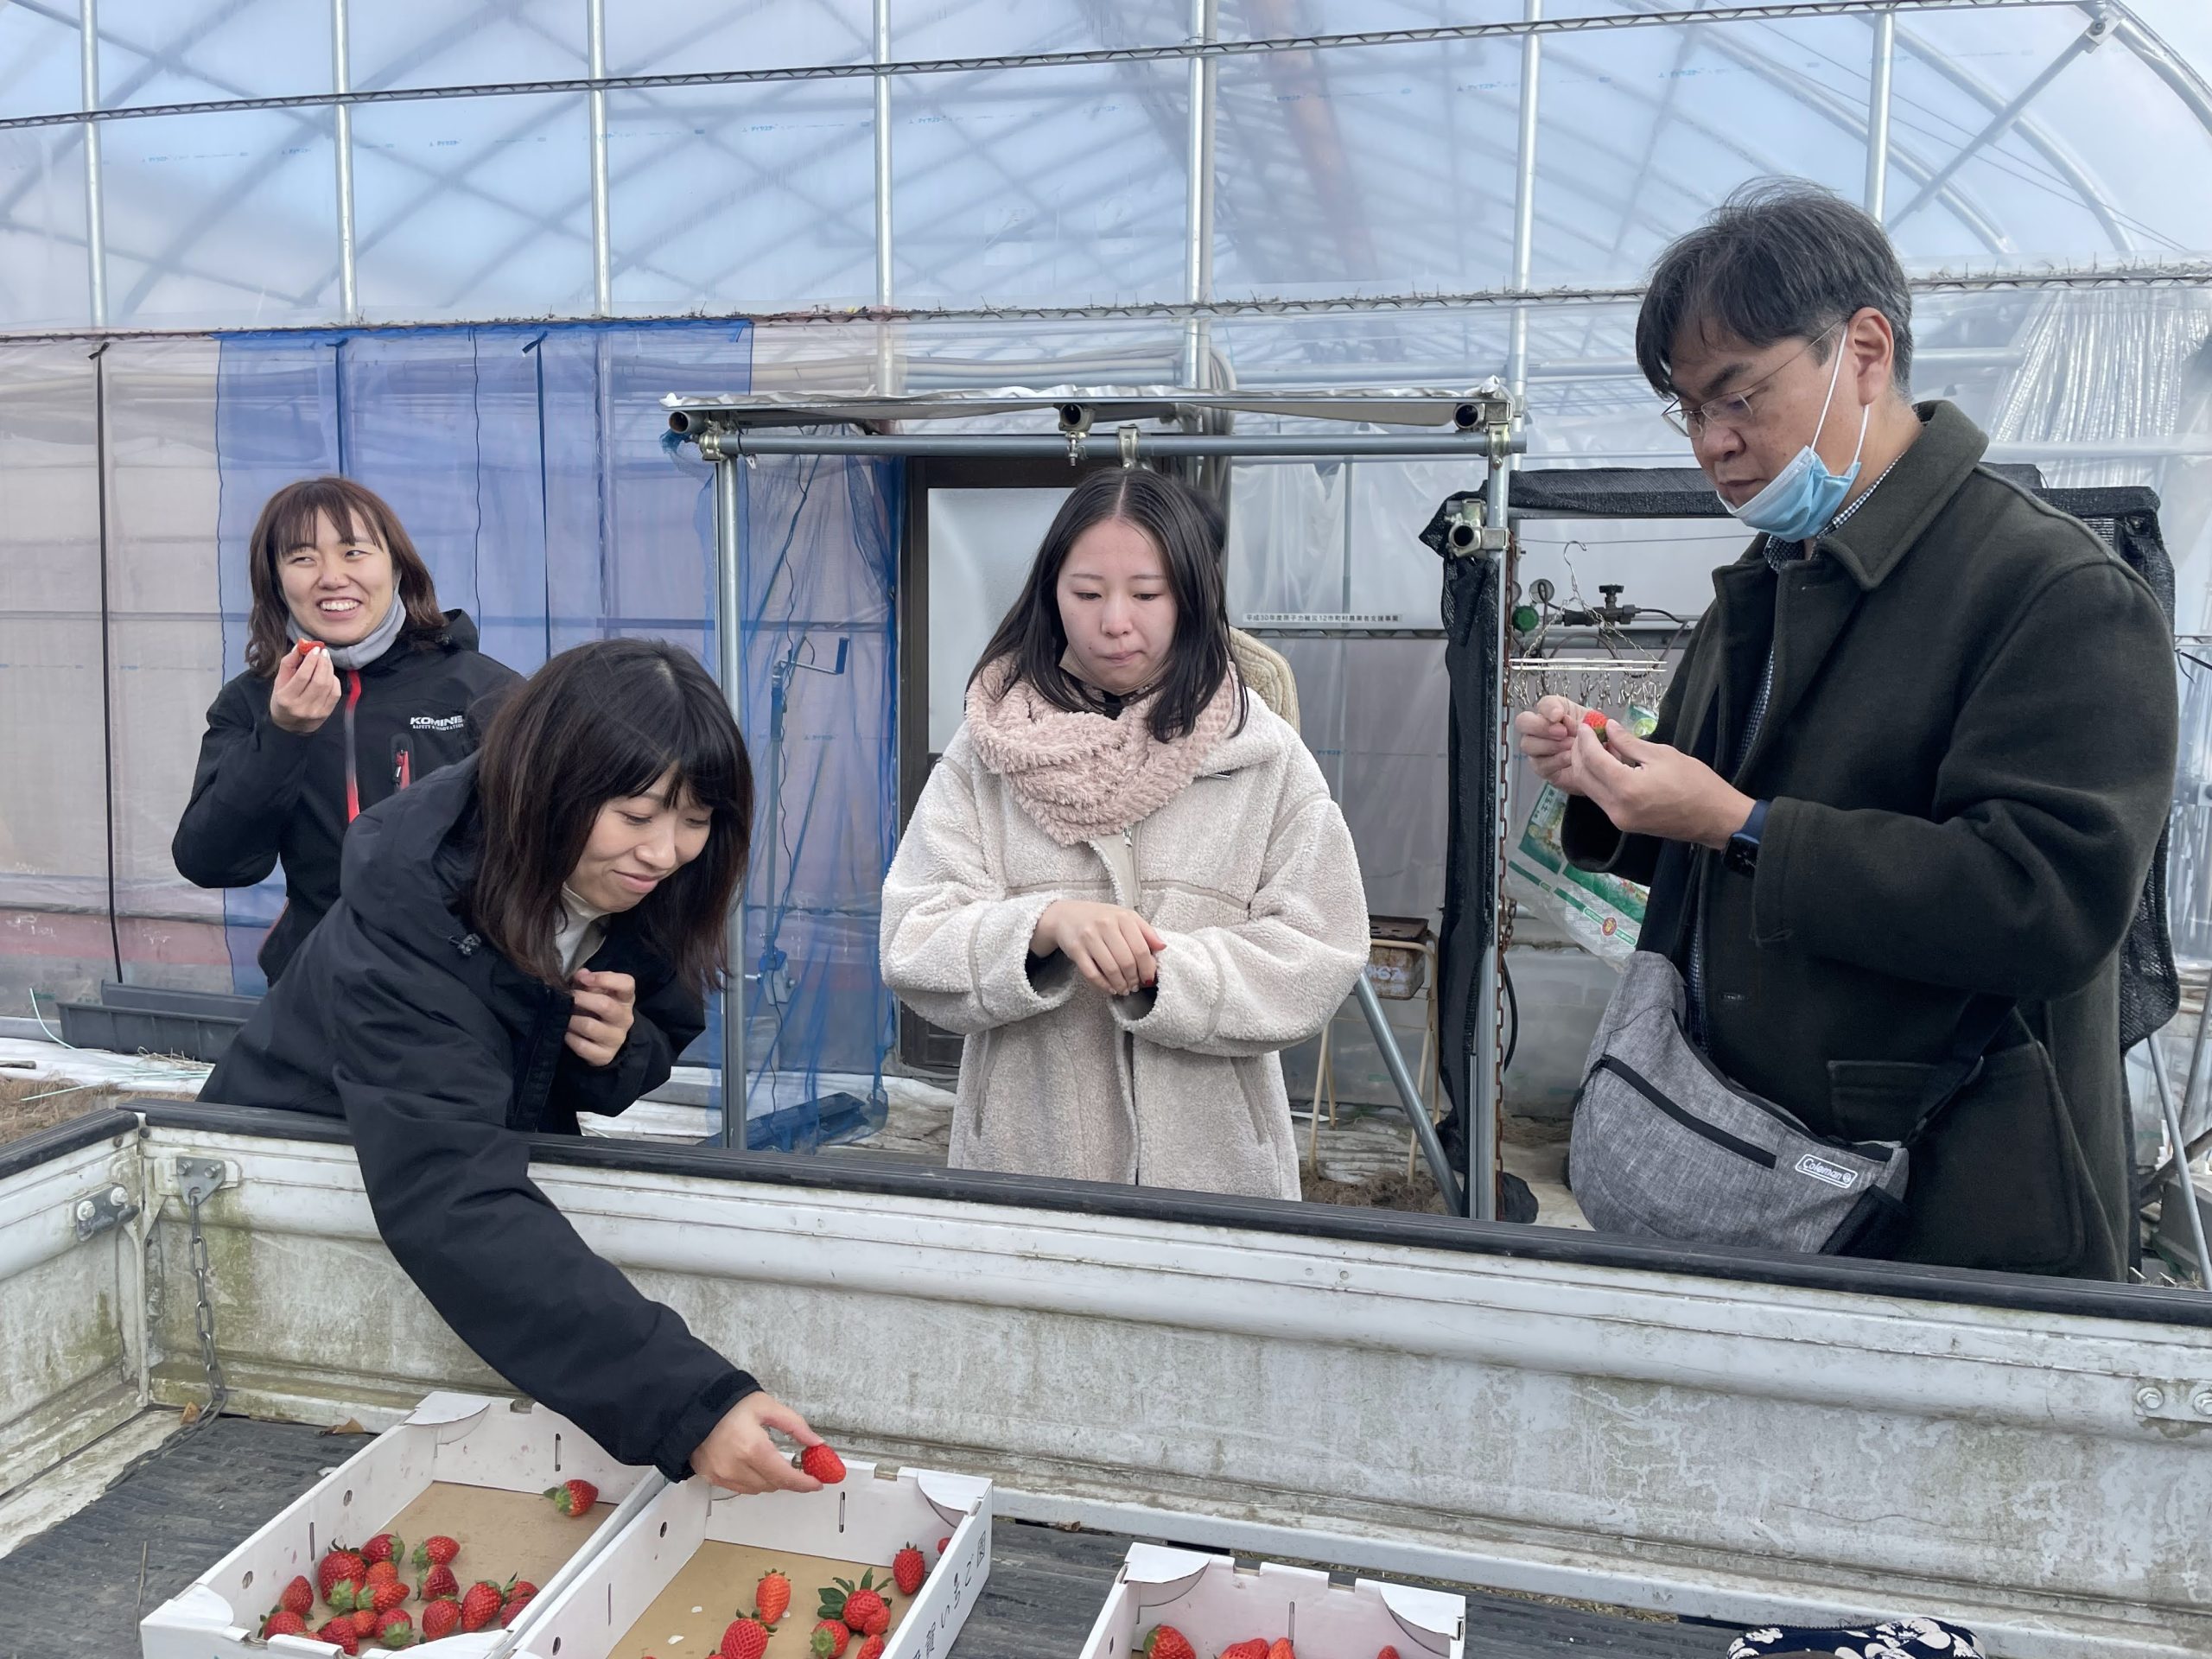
{"x":526,"y":934}
{"x":356,"y":686}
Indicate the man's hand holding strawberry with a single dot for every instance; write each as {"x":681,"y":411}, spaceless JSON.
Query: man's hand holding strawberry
{"x":1645,"y":788}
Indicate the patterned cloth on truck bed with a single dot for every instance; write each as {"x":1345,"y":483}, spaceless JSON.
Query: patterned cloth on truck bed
{"x":1903,"y":1638}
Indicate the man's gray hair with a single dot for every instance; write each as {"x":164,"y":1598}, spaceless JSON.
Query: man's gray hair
{"x":1780,"y":260}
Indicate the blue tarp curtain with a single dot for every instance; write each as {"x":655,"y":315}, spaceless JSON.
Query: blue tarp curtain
{"x":528,"y":465}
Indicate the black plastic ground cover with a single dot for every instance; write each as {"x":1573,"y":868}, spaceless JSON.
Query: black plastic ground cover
{"x":848,"y":1171}
{"x":74,"y":1591}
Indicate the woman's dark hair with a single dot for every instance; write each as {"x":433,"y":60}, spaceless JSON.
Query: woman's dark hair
{"x":1780,"y":260}
{"x":1169,"y":513}
{"x":357,"y":514}
{"x":599,"y":723}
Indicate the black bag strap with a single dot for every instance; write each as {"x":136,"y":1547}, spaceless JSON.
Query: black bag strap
{"x":1984,"y":1017}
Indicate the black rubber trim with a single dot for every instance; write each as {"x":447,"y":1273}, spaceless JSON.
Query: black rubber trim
{"x":63,"y":1138}
{"x":860,"y":1172}
{"x":1720,"y":1137}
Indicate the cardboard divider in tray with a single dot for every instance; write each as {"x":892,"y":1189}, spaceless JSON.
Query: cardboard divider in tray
{"x":459,"y":1463}
{"x":1215,"y":1603}
{"x":691,"y":1558}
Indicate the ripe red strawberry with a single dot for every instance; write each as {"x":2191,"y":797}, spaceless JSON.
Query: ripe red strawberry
{"x":520,"y":1590}
{"x":1165,"y":1641}
{"x":1388,"y":1653}
{"x":1279,"y":1649}
{"x":941,"y":1544}
{"x":434,"y":1552}
{"x":1255,"y":1648}
{"x":1596,"y":723}
{"x":868,"y":1613}
{"x":339,"y":1634}
{"x":384,"y":1546}
{"x":282,"y":1622}
{"x":365,"y":1622}
{"x":573,"y":1496}
{"x":345,"y":1595}
{"x":859,"y":1608}
{"x":829,"y":1640}
{"x":441,"y":1584}
{"x":908,"y":1569}
{"x":383,"y":1597}
{"x":382,"y":1572}
{"x":744,"y":1638}
{"x":773,"y":1599}
{"x":871,"y":1648}
{"x":514,"y":1611}
{"x":298,"y":1598}
{"x":440,"y":1618}
{"x":822,"y":1464}
{"x":395,"y":1629}
{"x":481,"y":1605}
{"x":340,"y":1566}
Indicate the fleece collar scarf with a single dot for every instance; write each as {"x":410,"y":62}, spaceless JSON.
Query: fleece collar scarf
{"x":1084,"y":776}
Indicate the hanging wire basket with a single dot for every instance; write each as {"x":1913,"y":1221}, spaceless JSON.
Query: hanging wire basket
{"x":1610,"y":685}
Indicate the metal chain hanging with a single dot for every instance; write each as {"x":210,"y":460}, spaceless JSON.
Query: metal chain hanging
{"x":199,"y":1178}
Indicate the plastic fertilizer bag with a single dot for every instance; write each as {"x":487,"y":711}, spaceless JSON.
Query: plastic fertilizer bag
{"x":1602,"y":913}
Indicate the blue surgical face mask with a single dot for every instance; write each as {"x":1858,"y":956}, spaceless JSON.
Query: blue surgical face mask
{"x":1799,"y":501}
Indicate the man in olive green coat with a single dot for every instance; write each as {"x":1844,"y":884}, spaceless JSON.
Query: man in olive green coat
{"x":1920,"y":748}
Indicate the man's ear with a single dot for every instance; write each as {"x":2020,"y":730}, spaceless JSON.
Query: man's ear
{"x":1874,"y":347}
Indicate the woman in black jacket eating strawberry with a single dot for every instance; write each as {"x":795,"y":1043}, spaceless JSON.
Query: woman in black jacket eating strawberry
{"x":355,"y":686}
{"x":530,"y":934}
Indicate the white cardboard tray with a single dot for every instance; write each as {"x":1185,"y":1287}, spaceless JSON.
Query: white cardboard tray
{"x":461,"y":1439}
{"x":1215,"y":1602}
{"x":864,"y":1517}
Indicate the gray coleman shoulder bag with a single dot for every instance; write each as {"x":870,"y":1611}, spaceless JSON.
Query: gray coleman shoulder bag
{"x":1665,"y":1146}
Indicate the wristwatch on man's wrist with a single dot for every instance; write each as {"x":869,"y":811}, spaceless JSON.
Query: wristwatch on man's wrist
{"x":1742,"y":854}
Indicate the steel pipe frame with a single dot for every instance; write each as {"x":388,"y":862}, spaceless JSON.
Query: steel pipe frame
{"x":1394,"y":1061}
{"x":602,"y":258}
{"x":341,"y":79}
{"x":2180,"y":78}
{"x":728,"y":447}
{"x":2034,"y":135}
{"x":2095,"y":35}
{"x":887,"y":374}
{"x":2137,"y":38}
{"x":1847,"y":118}
{"x":154,"y":61}
{"x":1486,"y":1102}
{"x":2171,"y":1110}
{"x":88,"y":71}
{"x":730,"y":444}
{"x":1766,"y":11}
{"x":730,"y":645}
{"x":1197,"y":228}
{"x":1878,"y":80}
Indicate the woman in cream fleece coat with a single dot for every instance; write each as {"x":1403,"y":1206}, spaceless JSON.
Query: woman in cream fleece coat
{"x":1125,"y":882}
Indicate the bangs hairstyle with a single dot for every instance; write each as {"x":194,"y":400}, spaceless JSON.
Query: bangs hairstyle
{"x":603,"y":722}
{"x":1171,"y":514}
{"x":358,"y":514}
{"x":1780,"y":260}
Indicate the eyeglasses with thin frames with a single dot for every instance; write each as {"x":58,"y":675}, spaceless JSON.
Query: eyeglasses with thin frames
{"x":1735,"y":411}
